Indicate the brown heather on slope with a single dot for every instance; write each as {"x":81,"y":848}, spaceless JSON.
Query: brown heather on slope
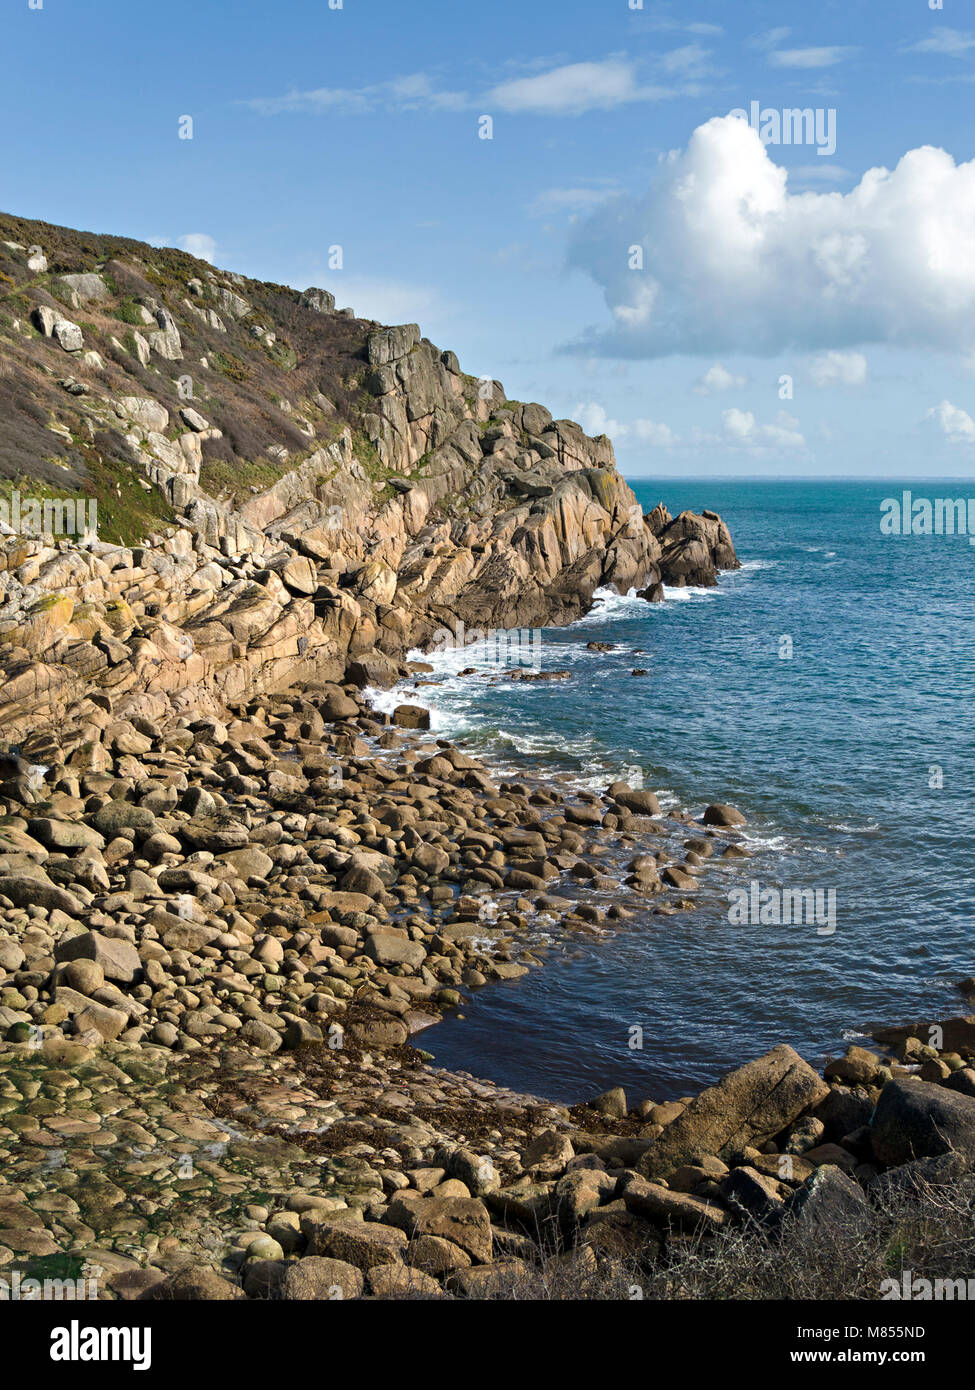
{"x":285,"y":492}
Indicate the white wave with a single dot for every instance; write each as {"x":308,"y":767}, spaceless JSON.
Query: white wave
{"x":688,"y":593}
{"x":778,"y":844}
{"x":609,"y":606}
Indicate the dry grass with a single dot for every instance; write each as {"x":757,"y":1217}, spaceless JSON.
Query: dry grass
{"x":929,"y":1231}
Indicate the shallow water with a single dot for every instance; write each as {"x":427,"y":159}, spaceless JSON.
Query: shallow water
{"x":829,"y":753}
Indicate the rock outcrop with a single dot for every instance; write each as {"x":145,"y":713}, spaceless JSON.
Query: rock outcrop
{"x":253,"y":531}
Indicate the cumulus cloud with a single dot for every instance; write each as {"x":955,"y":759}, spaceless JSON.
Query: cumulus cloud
{"x":594,"y":420}
{"x":739,"y":431}
{"x":200,"y":245}
{"x":839,"y":369}
{"x":651,"y":432}
{"x":732,"y":261}
{"x":718,"y":378}
{"x":956,"y":424}
{"x":741,"y":428}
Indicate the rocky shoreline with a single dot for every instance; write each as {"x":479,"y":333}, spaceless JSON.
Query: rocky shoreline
{"x":233,"y":896}
{"x":217,"y":976}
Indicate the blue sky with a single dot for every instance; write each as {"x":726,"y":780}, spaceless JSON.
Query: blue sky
{"x":358,"y":127}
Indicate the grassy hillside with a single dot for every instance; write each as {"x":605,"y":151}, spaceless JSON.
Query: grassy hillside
{"x":277,"y":377}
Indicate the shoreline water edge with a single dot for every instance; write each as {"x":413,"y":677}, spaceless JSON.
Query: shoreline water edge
{"x":251,"y":1116}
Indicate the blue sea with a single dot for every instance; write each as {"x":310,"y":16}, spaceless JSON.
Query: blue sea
{"x":853,"y":759}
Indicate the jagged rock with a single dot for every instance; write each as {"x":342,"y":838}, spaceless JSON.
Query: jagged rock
{"x":388,"y":344}
{"x":319,"y":300}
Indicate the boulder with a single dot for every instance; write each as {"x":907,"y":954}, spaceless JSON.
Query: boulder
{"x":363,"y":1244}
{"x":318,"y":1277}
{"x":390,"y":948}
{"x":667,"y":1209}
{"x":197,"y":1282}
{"x":828,"y":1200}
{"x":26,"y":890}
{"x":640,"y":802}
{"x":465,"y":1221}
{"x":65,"y":834}
{"x":719,"y":814}
{"x":747,"y":1107}
{"x":118,"y":960}
{"x":916,"y":1119}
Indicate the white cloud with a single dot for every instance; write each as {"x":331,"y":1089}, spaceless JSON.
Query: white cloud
{"x":200,"y":245}
{"x":956,"y":424}
{"x":573,"y":89}
{"x":839,"y":369}
{"x":743,"y":430}
{"x":554,"y":200}
{"x":388,"y":301}
{"x":692,"y":59}
{"x":718,"y":378}
{"x":415,"y":92}
{"x":951,"y":42}
{"x":735,"y":262}
{"x":567,"y":90}
{"x":658,"y":435}
{"x":693,"y":27}
{"x":809,"y":57}
{"x":594,"y":420}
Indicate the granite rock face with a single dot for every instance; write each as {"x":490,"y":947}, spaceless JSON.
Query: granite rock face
{"x":396,"y":502}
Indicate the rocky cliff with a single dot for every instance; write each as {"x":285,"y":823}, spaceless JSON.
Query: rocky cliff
{"x":285,"y":493}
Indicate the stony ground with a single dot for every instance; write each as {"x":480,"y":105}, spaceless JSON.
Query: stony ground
{"x":221,"y":941}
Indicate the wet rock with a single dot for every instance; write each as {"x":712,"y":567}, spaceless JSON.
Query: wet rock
{"x":719,"y":814}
